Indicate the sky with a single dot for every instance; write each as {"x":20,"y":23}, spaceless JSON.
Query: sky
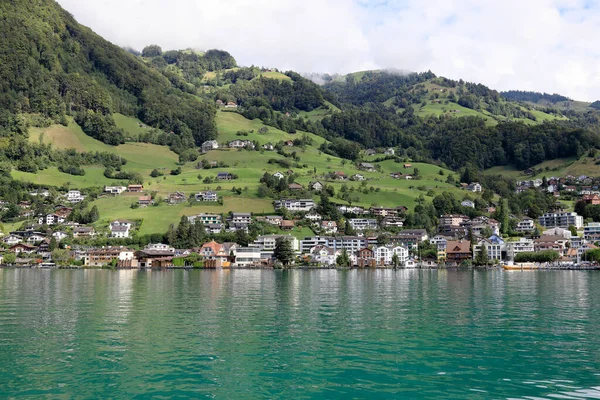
{"x":539,"y":45}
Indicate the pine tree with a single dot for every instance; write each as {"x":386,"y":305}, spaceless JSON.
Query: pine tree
{"x":53,"y":244}
{"x":343,"y":260}
{"x":283,"y":251}
{"x":482,"y":256}
{"x":93,"y":215}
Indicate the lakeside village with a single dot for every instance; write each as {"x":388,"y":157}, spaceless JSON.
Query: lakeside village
{"x":558,"y":238}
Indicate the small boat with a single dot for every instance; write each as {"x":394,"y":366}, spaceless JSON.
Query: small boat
{"x":522,"y":267}
{"x":47,"y":265}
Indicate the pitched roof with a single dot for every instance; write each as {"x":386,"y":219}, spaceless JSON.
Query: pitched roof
{"x":463,"y":246}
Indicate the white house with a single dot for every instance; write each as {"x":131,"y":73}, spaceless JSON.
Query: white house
{"x":295,"y":205}
{"x":35,"y":239}
{"x":384,"y":254}
{"x":120,"y":229}
{"x":324,"y":255}
{"x":474,"y":187}
{"x":209,"y":145}
{"x":563,"y":220}
{"x":12,"y":239}
{"x":51,"y":219}
{"x":494,"y":245}
{"x":114,"y":189}
{"x":363,"y":224}
{"x":278,"y":175}
{"x":316,"y":186}
{"x":160,"y":247}
{"x":58,"y":235}
{"x":525,"y":225}
{"x":523,"y":245}
{"x":74,"y":196}
{"x":329,"y":227}
{"x":468,"y":203}
{"x":207,"y":196}
{"x":246,"y":256}
{"x":389,"y":152}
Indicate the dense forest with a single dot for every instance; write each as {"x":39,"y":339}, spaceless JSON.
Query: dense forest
{"x":51,"y":65}
{"x":533,"y":97}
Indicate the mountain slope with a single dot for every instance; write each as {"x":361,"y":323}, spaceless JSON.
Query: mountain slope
{"x":52,"y":65}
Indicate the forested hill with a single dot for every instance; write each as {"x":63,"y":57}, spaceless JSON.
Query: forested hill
{"x":53,"y":66}
{"x":534,"y":97}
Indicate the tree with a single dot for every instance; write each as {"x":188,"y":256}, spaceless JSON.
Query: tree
{"x":284,"y":251}
{"x":482,"y":256}
{"x":343,"y":260}
{"x":573,"y":230}
{"x":487,"y":195}
{"x":152,"y":50}
{"x":52,"y":245}
{"x":396,"y":259}
{"x":10,"y":258}
{"x":503,"y":216}
{"x":61,"y":256}
{"x":93,"y":215}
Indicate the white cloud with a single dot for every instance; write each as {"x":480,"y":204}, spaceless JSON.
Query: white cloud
{"x":543,"y":45}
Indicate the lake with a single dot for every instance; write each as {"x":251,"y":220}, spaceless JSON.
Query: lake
{"x":325,"y":334}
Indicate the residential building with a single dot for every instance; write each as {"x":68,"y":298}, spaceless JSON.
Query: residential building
{"x":274,"y":219}
{"x":214,"y":228}
{"x":550,"y":242}
{"x":591,"y":199}
{"x":366,"y":166}
{"x":240,"y":221}
{"x":363,"y":224}
{"x":392,"y":222}
{"x":145,"y":201}
{"x":207,"y":196}
{"x":316,"y":186}
{"x":59,"y":236}
{"x":278,"y":175}
{"x":74,"y":196}
{"x":267,"y":243}
{"x":51,"y":219}
{"x":209,"y":145}
{"x":323,"y":255}
{"x":329,"y":227}
{"x":523,"y":245}
{"x":205,"y":219}
{"x":213,"y":250}
{"x":384,"y":255}
{"x":22,"y":248}
{"x":160,"y":247}
{"x":420,"y":234}
{"x":458,"y":251}
{"x":358,"y":177}
{"x":474,"y":187}
{"x":224,"y":176}
{"x":135,"y":188}
{"x":453,"y":219}
{"x":241,"y":144}
{"x":389,"y":152}
{"x":562,"y":219}
{"x":295,"y":204}
{"x":120,"y":229}
{"x":83,"y":231}
{"x":114,"y":189}
{"x":176,"y":198}
{"x":592,"y":231}
{"x":105,"y":255}
{"x":247,"y":256}
{"x":525,"y":225}
{"x":365,"y":257}
{"x":352,"y":210}
{"x":295,"y":186}
{"x":33,"y":239}
{"x":12,"y":239}
{"x":495,"y":248}
{"x":468,"y":203}
{"x":351,"y":243}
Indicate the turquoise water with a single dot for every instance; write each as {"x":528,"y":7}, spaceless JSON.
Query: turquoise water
{"x":299,"y":334}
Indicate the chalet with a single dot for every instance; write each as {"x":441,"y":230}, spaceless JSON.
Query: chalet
{"x":339,"y":175}
{"x":288,"y":224}
{"x":213,"y":250}
{"x":458,"y":251}
{"x":59,"y":236}
{"x":407,"y":165}
{"x":274,"y":219}
{"x":268,"y":146}
{"x":389,"y":152}
{"x":295,"y":186}
{"x":12,"y":239}
{"x":206,"y":196}
{"x":392,"y":222}
{"x":176,"y":198}
{"x":329,"y":227}
{"x":316,"y":186}
{"x":213,"y":164}
{"x":399,"y":175}
{"x":366,"y":166}
{"x":289,"y":171}
{"x":231,"y":104}
{"x":135,"y":188}
{"x":323,"y":255}
{"x":22,"y":248}
{"x":313,"y":216}
{"x":114,"y":190}
{"x":289,"y":143}
{"x":83,"y":231}
{"x":224,"y":176}
{"x":35,"y":238}
{"x":370,"y":152}
{"x":474,"y":187}
{"x":591,"y":199}
{"x":209,"y":145}
{"x":144,"y":201}
{"x":219,"y":102}
{"x":99,"y":257}
{"x":278,"y":175}
{"x":358,"y":177}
